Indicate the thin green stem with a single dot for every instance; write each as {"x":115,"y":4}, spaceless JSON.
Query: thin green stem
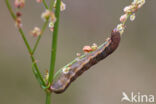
{"x":54,"y":42}
{"x":44,"y":26}
{"x":43,"y":29}
{"x":45,"y":4}
{"x":10,"y":9}
{"x":53,"y":49}
{"x":26,"y":42}
{"x":38,"y":39}
{"x":31,"y":56}
{"x":48,"y":98}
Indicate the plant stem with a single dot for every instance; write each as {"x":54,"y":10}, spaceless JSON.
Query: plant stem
{"x":45,"y":4}
{"x":48,"y":98}
{"x":53,"y":49}
{"x":54,"y":42}
{"x":44,"y":26}
{"x":26,"y":43}
{"x":10,"y":9}
{"x":38,"y":39}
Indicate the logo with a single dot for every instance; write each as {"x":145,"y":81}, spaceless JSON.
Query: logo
{"x":137,"y":98}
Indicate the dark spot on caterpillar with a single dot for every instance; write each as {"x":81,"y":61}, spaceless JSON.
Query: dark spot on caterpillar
{"x":77,"y":68}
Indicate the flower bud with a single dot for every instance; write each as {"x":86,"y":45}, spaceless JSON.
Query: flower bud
{"x":123,"y":18}
{"x":36,"y":32}
{"x":19,"y":3}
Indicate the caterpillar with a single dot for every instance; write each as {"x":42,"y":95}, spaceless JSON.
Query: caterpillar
{"x":84,"y":63}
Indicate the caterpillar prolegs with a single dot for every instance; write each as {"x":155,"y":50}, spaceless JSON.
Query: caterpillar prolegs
{"x":84,"y":63}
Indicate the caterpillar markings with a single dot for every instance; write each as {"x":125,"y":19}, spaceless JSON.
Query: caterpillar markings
{"x":84,"y":63}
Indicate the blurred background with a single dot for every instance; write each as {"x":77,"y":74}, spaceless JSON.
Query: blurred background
{"x":131,"y":68}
